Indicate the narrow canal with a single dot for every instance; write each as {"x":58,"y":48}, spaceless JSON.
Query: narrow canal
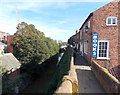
{"x":41,"y":84}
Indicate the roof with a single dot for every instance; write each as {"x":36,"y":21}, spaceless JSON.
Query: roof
{"x":8,"y":61}
{"x":86,"y":20}
{"x":96,"y":10}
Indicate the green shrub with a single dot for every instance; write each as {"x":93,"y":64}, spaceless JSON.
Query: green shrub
{"x":31,"y":46}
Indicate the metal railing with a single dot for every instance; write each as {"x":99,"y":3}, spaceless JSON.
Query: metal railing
{"x":111,"y":68}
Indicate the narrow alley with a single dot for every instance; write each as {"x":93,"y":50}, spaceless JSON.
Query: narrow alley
{"x":87,"y":82}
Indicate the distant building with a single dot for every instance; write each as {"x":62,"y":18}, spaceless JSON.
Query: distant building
{"x":3,"y":36}
{"x":2,"y":47}
{"x":10,"y":65}
{"x":3,"y":41}
{"x":6,"y":43}
{"x":59,"y":41}
{"x":10,"y":48}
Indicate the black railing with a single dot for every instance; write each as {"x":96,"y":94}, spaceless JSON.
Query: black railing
{"x":111,"y":68}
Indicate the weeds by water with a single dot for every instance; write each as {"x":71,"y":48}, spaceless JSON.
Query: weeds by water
{"x":61,"y":70}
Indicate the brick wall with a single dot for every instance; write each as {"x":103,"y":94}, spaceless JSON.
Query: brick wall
{"x":119,"y":40}
{"x":77,"y":40}
{"x":14,"y":74}
{"x":9,"y":46}
{"x":110,"y":33}
{"x":119,"y":33}
{"x":88,"y":36}
{"x":109,"y":82}
{"x":107,"y":32}
{"x":5,"y":38}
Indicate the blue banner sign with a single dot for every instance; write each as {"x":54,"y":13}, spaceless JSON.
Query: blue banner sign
{"x":94,"y":44}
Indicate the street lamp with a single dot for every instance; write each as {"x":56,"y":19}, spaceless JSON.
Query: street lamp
{"x":86,"y":29}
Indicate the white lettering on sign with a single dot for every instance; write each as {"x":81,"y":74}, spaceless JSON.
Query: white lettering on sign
{"x":94,"y":37}
{"x":94,"y":53}
{"x":94,"y":44}
{"x":95,"y":41}
{"x":94,"y":49}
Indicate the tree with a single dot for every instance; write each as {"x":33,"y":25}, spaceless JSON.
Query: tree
{"x":52,"y":45}
{"x":32,"y":46}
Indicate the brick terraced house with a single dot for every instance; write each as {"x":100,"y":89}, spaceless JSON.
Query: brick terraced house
{"x":99,"y":37}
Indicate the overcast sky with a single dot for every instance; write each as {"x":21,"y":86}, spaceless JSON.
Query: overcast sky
{"x":57,"y":20}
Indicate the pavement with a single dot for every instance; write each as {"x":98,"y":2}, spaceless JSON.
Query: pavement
{"x":87,"y":82}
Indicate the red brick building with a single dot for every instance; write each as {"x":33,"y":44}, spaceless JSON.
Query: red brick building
{"x":9,"y":48}
{"x":3,"y":41}
{"x":3,"y":36}
{"x":99,"y":36}
{"x":76,"y":39}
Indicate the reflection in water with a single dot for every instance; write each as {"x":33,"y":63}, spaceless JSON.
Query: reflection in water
{"x":59,"y":58}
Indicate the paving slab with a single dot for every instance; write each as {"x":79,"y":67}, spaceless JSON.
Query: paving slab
{"x":87,"y":82}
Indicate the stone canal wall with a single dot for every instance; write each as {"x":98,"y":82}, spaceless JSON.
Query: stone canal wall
{"x":108,"y":81}
{"x":70,"y":81}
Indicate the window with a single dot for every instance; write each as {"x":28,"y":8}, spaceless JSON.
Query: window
{"x":111,"y":21}
{"x":84,"y":28}
{"x":103,"y":47}
{"x":80,"y":34}
{"x":88,"y":24}
{"x":86,"y":47}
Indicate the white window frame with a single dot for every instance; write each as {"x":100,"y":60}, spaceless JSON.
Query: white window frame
{"x":107,"y":57}
{"x":86,"y":47}
{"x":77,"y":45}
{"x":88,"y":24}
{"x":81,"y":48}
{"x":111,"y":17}
{"x":84,"y":28}
{"x":80,"y":34}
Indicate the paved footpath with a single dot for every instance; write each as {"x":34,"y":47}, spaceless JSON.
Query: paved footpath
{"x":87,"y":82}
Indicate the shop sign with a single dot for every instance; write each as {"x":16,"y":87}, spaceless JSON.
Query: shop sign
{"x":94,"y":44}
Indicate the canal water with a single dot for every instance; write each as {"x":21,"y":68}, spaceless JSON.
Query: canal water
{"x":59,"y":58}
